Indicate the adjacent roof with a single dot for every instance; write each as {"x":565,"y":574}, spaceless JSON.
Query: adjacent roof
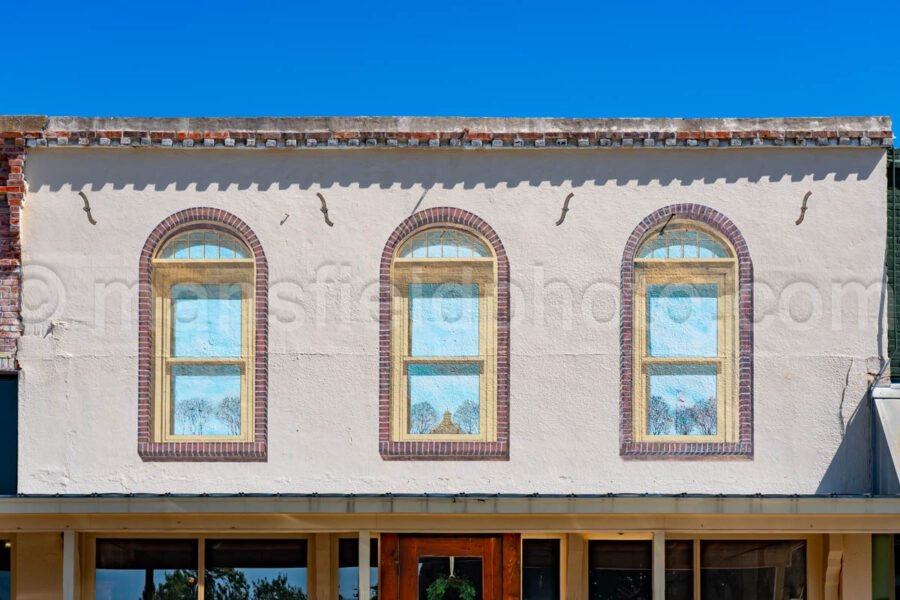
{"x":437,"y":132}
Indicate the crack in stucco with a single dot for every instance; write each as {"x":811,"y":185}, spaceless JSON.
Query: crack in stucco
{"x":841,"y":420}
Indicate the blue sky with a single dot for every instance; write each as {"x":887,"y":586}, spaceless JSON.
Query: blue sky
{"x":469,"y":58}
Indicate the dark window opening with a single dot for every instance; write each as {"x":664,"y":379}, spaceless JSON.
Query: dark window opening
{"x":348,"y":569}
{"x":620,"y":569}
{"x":679,"y":570}
{"x":540,"y":569}
{"x":5,"y":570}
{"x":747,"y":570}
{"x":9,"y":433}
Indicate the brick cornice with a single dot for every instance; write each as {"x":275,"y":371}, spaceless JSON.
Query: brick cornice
{"x":446,"y":132}
{"x":744,"y":445}
{"x":393,"y":450}
{"x":257,"y":450}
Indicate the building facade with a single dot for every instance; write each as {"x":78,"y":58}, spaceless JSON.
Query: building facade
{"x":483,"y":358}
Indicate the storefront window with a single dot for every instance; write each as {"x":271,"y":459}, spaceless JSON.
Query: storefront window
{"x":620,"y":569}
{"x":679,"y":570}
{"x":348,"y":569}
{"x":5,"y":570}
{"x":540,"y":569}
{"x":747,"y":570}
{"x":146,"y":569}
{"x":255,"y":569}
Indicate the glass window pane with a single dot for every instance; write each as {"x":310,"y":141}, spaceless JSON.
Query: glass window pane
{"x":210,"y":245}
{"x":444,"y":319}
{"x":466,"y":245}
{"x":155,"y":569}
{"x":675,"y":248}
{"x":348,"y":569}
{"x":679,"y":570}
{"x":240,"y":250}
{"x":433,"y":244}
{"x":434,"y":571}
{"x":195,"y":246}
{"x":226,"y":249}
{"x":206,"y":321}
{"x":691,"y":245}
{"x":256,"y":569}
{"x":682,"y":400}
{"x":206,"y":399}
{"x":5,"y":570}
{"x":897,"y":565}
{"x":618,"y":570}
{"x":444,"y":398}
{"x":540,"y":569}
{"x":749,"y":570}
{"x":683,"y":320}
{"x":415,"y":248}
{"x":450,"y":245}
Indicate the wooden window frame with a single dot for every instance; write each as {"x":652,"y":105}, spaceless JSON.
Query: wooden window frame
{"x":168,"y":273}
{"x":814,"y":554}
{"x":560,"y":538}
{"x":88,"y":549}
{"x":334,"y":567}
{"x":464,"y":271}
{"x":722,"y":273}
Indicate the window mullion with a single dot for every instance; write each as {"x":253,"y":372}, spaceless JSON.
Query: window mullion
{"x":201,"y":568}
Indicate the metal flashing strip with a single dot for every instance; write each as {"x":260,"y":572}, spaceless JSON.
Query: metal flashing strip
{"x":476,"y":504}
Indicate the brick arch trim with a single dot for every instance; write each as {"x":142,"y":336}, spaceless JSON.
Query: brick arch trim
{"x":728,"y":230}
{"x":148,"y":450}
{"x":394,"y":450}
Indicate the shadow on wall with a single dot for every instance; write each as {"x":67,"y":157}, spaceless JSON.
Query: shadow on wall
{"x":242,"y":169}
{"x":850,"y":469}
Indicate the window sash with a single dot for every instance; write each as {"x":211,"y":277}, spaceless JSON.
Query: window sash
{"x":687,"y":272}
{"x":443,"y":271}
{"x":170,"y":273}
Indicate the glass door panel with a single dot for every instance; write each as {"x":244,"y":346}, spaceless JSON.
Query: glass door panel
{"x":457,"y":577}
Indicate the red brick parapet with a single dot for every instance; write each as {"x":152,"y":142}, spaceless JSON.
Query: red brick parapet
{"x":12,"y":194}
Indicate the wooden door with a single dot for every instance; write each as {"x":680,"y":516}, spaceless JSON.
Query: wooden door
{"x":410,"y":565}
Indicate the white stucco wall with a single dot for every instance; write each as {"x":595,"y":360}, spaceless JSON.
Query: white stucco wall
{"x":78,"y":404}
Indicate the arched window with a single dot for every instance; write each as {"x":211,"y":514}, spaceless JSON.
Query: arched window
{"x":203,"y":283}
{"x":443,"y":349}
{"x":204,"y":396}
{"x":685,"y":380}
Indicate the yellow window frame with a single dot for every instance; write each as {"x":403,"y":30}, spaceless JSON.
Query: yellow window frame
{"x":167,"y":273}
{"x":721,"y":272}
{"x":480,"y":271}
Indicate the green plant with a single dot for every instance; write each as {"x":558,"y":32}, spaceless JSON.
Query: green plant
{"x":438,"y":589}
